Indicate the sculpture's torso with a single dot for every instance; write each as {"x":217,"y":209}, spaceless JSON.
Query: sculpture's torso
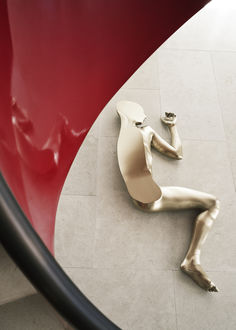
{"x":135,"y":162}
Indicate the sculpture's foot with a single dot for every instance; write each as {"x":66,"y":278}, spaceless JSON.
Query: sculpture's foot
{"x":198,"y":275}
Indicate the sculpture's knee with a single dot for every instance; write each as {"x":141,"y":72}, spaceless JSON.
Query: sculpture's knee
{"x":214,"y":209}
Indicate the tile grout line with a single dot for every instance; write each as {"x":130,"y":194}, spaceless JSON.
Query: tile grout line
{"x":96,"y":194}
{"x":183,"y":139}
{"x":222,"y":118}
{"x":142,"y":269}
{"x":164,"y":130}
{"x":77,"y":195}
{"x":196,"y":50}
{"x":139,"y":88}
{"x":217,"y":92}
{"x":159,"y":81}
{"x":176,"y":316}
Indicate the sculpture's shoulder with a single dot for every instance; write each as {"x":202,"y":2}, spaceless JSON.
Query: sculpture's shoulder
{"x":147,"y":133}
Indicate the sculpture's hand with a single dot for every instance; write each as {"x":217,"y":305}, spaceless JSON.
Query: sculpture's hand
{"x":169,"y":119}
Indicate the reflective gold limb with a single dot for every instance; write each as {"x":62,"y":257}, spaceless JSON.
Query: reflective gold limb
{"x":174,"y":150}
{"x":178,"y":198}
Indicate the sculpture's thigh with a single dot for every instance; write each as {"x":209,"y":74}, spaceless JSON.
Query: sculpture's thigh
{"x":179,"y":198}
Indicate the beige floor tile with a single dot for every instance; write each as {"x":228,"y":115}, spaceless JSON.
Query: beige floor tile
{"x":81,"y":179}
{"x":31,"y":313}
{"x":188,"y":88}
{"x":198,"y":309}
{"x":75,"y":227}
{"x":132,"y":299}
{"x":13,"y":283}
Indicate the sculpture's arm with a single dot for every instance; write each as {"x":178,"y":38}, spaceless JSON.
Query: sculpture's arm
{"x":175,"y":149}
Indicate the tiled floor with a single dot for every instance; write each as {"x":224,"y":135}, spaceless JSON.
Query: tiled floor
{"x":30,"y":313}
{"x":125,"y":261}
{"x":13,"y":284}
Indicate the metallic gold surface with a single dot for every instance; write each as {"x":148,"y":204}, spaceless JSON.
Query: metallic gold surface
{"x":135,"y":162}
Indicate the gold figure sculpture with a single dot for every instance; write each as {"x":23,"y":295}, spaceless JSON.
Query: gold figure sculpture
{"x":135,"y":162}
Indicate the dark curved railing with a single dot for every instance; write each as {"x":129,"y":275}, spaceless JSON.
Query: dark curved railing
{"x":31,"y":255}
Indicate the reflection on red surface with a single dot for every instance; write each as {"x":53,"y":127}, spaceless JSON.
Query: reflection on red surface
{"x":60,"y":63}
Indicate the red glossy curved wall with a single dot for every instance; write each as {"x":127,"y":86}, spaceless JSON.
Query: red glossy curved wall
{"x":60,"y":62}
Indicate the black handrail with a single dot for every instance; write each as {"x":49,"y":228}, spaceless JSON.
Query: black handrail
{"x":34,"y":259}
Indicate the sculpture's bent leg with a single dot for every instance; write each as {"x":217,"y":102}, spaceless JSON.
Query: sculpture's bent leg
{"x":178,"y":198}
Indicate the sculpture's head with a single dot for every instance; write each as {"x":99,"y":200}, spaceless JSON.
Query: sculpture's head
{"x":131,"y":110}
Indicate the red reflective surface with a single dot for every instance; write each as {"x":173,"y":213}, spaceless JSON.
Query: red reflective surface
{"x":60,"y":62}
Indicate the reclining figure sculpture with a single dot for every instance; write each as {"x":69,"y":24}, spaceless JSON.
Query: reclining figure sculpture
{"x":135,"y":162}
